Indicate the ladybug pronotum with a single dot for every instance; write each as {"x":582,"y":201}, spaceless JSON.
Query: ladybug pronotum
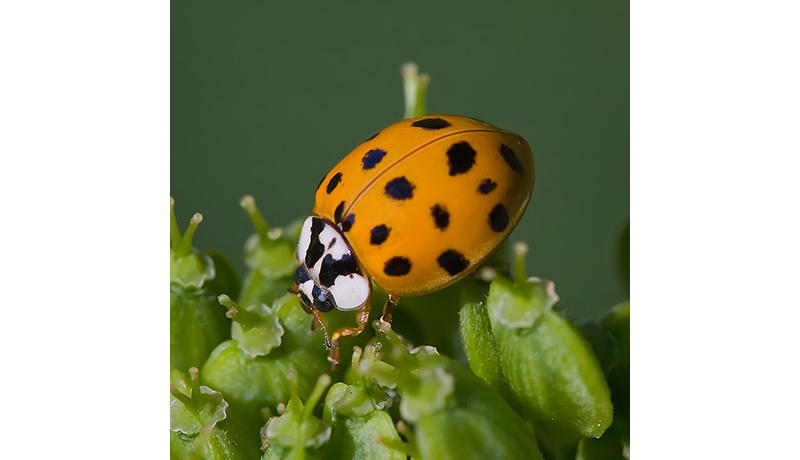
{"x":414,"y":208}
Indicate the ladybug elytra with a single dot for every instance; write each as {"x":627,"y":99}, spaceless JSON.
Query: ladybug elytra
{"x":414,"y":208}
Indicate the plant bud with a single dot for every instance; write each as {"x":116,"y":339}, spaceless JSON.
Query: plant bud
{"x":455,"y":414}
{"x":256,"y":329}
{"x":361,"y":430}
{"x":199,"y":423}
{"x":196,"y":323}
{"x":547,"y":363}
{"x":269,"y":343}
{"x":269,"y":255}
{"x":477,"y":338}
{"x":296,"y":433}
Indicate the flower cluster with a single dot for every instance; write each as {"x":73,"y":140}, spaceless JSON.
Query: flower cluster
{"x":514,"y":379}
{"x":487,"y":368}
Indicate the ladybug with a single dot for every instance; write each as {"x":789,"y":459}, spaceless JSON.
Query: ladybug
{"x":414,"y":208}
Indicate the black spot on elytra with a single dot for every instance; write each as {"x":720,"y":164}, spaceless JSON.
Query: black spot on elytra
{"x":511,"y":158}
{"x":337,"y":214}
{"x":321,"y":181}
{"x":372,"y":137}
{"x":334,"y":182}
{"x":315,"y":247}
{"x":348,"y":222}
{"x":441,"y":218}
{"x":378,"y":234}
{"x":460,"y":157}
{"x":399,"y":188}
{"x":487,"y":186}
{"x":300,"y":276}
{"x":498,"y":218}
{"x":372,"y":158}
{"x":397,"y":266}
{"x":322,"y":301}
{"x":431,"y":123}
{"x":452,"y":261}
{"x":331,"y":269}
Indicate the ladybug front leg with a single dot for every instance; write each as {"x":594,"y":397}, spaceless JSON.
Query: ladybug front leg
{"x":362,"y":318}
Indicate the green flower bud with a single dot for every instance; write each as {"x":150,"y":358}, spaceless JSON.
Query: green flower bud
{"x":547,"y":363}
{"x":415,"y":89}
{"x":255,"y":329}
{"x":476,"y":335}
{"x":455,"y":414}
{"x":196,"y":323}
{"x":296,"y":433}
{"x":361,"y":430}
{"x":199,"y":422}
{"x":269,"y":254}
{"x":250,"y":369}
{"x":188,"y":268}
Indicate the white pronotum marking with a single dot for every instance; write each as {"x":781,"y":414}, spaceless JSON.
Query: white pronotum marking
{"x":349,"y":291}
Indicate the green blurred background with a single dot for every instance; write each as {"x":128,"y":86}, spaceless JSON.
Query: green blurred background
{"x":268,"y":96}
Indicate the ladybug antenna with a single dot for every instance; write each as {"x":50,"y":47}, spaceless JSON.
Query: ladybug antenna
{"x":318,"y":317}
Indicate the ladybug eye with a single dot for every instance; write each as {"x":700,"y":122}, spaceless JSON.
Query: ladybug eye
{"x":301,"y":275}
{"x":322,"y":300}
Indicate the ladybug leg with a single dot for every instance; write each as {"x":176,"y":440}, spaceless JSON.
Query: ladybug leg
{"x":391,"y":302}
{"x":362,"y":318}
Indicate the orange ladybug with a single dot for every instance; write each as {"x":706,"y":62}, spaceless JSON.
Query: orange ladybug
{"x":414,"y":208}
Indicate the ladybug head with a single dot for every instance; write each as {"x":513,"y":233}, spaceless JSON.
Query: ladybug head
{"x":328,"y":275}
